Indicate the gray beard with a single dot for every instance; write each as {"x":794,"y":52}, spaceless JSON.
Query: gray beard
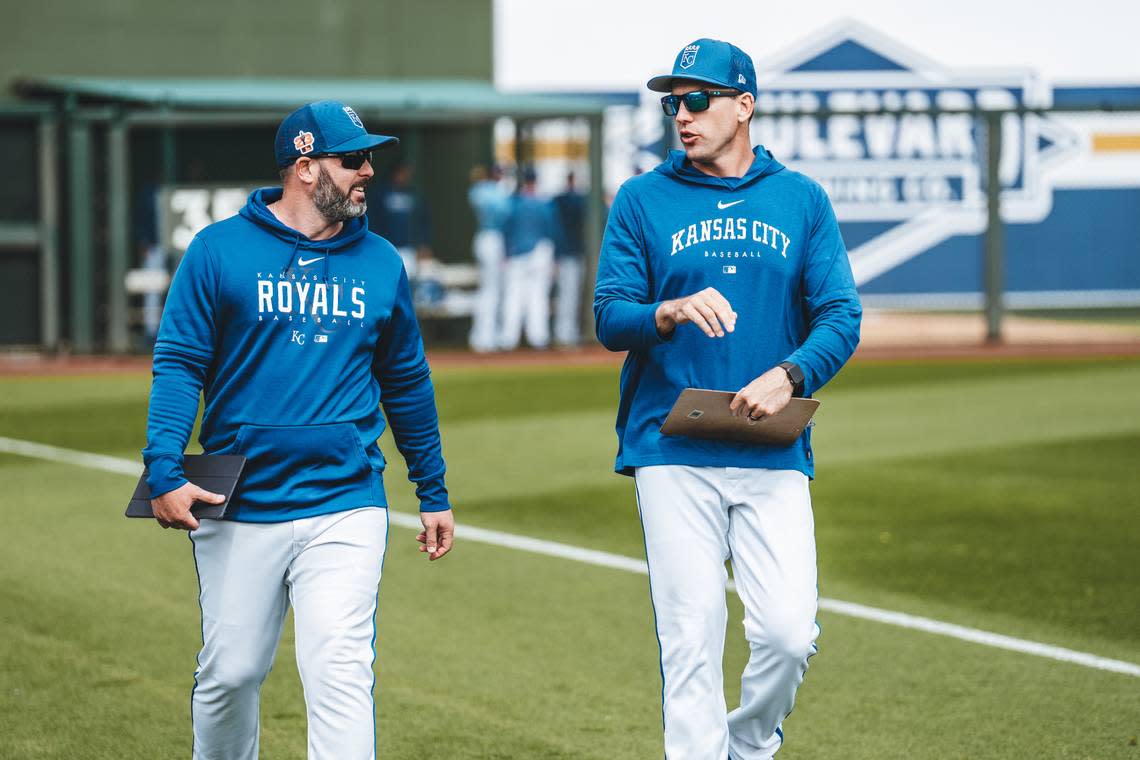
{"x":334,"y":205}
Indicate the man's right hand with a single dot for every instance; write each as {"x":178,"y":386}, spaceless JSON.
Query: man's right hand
{"x":708,"y":310}
{"x":172,"y":509}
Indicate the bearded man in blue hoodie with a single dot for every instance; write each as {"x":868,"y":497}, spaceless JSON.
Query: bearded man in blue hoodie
{"x":722,"y":269}
{"x":296,"y":324}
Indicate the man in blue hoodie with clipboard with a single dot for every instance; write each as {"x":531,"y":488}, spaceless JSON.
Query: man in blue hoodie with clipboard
{"x":721,"y":269}
{"x":296,"y":324}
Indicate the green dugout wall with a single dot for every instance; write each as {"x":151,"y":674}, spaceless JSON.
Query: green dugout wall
{"x":308,"y":39}
{"x":100,"y":102}
{"x":78,"y":158}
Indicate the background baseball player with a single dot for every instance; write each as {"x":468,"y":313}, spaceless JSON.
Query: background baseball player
{"x":296,"y":323}
{"x":491,"y":202}
{"x":569,"y":254}
{"x":722,"y":269}
{"x":400,"y":214}
{"x":529,"y":230}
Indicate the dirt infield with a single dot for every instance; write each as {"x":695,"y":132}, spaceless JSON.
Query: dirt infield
{"x":887,"y":336}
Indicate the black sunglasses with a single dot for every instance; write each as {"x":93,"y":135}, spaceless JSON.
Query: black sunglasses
{"x":352,"y":161}
{"x":695,"y":101}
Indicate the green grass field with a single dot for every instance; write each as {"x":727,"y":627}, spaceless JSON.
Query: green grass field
{"x":1001,"y":496}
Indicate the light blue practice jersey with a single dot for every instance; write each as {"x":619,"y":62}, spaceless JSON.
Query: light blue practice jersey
{"x":531,"y":221}
{"x":491,"y":204}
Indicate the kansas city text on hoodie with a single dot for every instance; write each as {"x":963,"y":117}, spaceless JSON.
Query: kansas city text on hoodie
{"x":770,"y":243}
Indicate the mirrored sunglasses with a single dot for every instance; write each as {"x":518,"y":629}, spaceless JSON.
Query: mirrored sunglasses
{"x":695,"y":101}
{"x":352,"y":161}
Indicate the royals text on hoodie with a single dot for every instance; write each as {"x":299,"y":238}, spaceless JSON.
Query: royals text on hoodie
{"x":295,"y":344}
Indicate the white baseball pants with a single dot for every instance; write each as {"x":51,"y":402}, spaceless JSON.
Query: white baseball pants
{"x":489,"y":253}
{"x":696,"y":518}
{"x":328,"y":569}
{"x":527,"y":295}
{"x":567,"y":316}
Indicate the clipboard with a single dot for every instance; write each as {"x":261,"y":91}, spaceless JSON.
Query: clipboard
{"x":700,"y":413}
{"x":218,"y":473}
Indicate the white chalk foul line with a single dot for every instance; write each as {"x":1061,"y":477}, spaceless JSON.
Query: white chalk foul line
{"x":70,"y":456}
{"x":631,"y":565}
{"x":837,"y":606}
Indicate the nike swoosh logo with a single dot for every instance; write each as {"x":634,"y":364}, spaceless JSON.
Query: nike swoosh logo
{"x":306,"y":262}
{"x":722,"y":205}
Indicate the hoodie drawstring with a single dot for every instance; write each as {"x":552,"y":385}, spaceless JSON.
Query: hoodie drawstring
{"x":292,"y":254}
{"x":289,"y":264}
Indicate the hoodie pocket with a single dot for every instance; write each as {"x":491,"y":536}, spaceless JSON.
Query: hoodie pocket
{"x":301,"y":459}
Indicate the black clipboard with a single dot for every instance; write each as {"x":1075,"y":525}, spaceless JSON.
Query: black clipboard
{"x":218,"y":473}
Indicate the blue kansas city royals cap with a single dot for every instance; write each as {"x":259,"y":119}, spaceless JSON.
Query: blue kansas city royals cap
{"x":711,"y":61}
{"x":326,"y":126}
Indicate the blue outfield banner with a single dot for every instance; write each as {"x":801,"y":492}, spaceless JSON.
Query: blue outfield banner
{"x":909,"y":187}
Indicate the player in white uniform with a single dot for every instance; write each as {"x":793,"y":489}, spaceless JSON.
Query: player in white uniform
{"x":529,"y":232}
{"x":491,"y":203}
{"x":721,"y":269}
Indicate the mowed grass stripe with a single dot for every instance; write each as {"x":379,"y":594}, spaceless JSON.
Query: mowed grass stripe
{"x":571,"y":449}
{"x":618,"y":562}
{"x":884,"y":409}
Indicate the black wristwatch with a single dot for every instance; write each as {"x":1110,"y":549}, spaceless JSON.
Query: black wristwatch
{"x":795,"y":376}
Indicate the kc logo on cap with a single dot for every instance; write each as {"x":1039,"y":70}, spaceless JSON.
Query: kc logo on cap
{"x":689,"y":56}
{"x":353,"y":117}
{"x":303,"y":142}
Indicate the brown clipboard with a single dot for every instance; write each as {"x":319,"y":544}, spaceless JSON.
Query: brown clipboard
{"x":701,"y":413}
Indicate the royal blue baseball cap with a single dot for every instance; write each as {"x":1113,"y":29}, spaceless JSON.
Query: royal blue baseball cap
{"x":326,"y":126}
{"x":711,"y":61}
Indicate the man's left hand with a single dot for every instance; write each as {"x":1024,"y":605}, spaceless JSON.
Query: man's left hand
{"x":438,"y":533}
{"x":764,"y":396}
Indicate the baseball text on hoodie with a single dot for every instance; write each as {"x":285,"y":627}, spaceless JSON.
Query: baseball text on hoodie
{"x":770,"y":244}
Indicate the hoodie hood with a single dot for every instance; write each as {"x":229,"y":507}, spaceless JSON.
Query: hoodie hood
{"x":256,"y":210}
{"x":678,"y":167}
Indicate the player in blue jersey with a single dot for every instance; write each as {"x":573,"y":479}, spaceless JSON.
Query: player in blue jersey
{"x":296,"y":324}
{"x":569,"y":254}
{"x":722,"y":269}
{"x":529,"y":231}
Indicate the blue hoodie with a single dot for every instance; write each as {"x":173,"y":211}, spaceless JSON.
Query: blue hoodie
{"x":296,"y":343}
{"x":769,"y":242}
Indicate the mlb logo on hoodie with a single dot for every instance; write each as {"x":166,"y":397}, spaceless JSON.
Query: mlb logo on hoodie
{"x":729,"y":269}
